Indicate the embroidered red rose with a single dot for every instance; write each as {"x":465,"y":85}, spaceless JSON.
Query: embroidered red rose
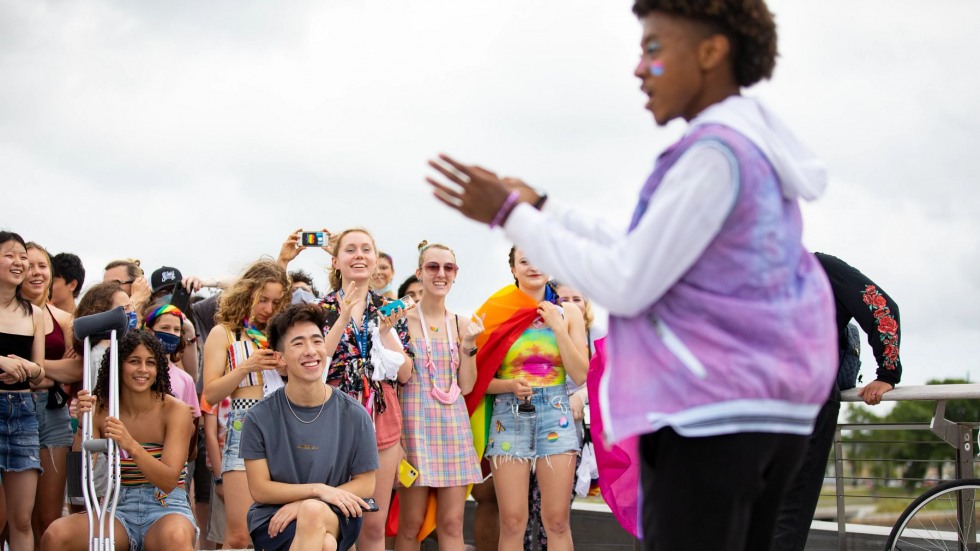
{"x":880,"y":301}
{"x":891,"y":352}
{"x":887,"y":325}
{"x":880,"y":313}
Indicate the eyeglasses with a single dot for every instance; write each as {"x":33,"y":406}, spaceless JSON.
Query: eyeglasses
{"x":432,"y":268}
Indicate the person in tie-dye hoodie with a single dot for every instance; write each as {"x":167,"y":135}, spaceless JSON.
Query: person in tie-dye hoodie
{"x":721,"y":341}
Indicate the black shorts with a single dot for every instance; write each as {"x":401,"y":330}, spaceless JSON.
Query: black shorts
{"x":202,"y":475}
{"x":350,"y":528}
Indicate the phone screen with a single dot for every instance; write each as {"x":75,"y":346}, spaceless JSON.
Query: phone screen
{"x":311,"y":239}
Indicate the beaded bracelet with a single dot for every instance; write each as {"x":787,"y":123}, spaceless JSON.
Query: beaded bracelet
{"x":505,"y":209}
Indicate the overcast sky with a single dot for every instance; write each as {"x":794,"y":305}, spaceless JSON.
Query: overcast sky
{"x":199,"y":134}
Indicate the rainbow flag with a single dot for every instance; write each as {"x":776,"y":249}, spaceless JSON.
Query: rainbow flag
{"x":509,"y":312}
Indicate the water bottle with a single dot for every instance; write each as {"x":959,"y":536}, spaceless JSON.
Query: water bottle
{"x":526,"y":419}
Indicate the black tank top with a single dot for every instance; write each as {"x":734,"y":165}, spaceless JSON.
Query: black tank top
{"x":19,"y":345}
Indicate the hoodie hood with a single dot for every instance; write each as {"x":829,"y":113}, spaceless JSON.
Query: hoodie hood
{"x":801,"y":174}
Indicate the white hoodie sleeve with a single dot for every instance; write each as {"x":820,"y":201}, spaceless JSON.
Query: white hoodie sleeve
{"x":584,"y":223}
{"x":629,"y":272}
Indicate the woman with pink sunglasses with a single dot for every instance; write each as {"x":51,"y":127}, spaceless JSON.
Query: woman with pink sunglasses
{"x":436,"y":433}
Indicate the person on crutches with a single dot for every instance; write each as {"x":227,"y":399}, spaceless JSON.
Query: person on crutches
{"x":131,"y":417}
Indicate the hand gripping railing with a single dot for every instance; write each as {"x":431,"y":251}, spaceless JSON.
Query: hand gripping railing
{"x":110,"y":325}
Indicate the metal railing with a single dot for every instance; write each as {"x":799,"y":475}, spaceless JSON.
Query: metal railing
{"x":958,"y":435}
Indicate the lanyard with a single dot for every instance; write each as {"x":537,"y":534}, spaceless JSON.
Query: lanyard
{"x":361,"y":335}
{"x":453,"y":352}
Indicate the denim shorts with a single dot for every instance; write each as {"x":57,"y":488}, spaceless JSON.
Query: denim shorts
{"x":53,"y":425}
{"x":140,"y":506}
{"x":20,"y":449}
{"x":233,"y":440}
{"x":550,"y":430}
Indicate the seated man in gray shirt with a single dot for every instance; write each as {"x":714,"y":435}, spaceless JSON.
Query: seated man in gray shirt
{"x":309,"y":451}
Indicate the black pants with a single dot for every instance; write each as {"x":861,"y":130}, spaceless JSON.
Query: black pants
{"x":715,"y":492}
{"x":796,"y":514}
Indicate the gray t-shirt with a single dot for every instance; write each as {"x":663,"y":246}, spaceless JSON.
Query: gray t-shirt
{"x":337,"y":446}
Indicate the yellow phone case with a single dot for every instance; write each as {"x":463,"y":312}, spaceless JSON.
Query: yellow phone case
{"x":407,"y":473}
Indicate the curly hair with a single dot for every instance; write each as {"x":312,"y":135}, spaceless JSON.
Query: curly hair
{"x":748,"y":25}
{"x":161,"y":385}
{"x":237,"y":302}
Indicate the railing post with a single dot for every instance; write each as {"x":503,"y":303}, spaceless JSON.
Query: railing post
{"x":839,"y":478}
{"x":961,"y":438}
{"x":966,"y":506}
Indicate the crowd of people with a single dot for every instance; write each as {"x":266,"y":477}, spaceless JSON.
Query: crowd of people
{"x":269,"y":415}
{"x":227,"y":418}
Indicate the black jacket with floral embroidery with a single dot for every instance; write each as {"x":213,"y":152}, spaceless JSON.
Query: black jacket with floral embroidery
{"x":857,"y":297}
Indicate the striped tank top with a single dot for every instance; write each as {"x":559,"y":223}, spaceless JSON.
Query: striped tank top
{"x":131,"y":475}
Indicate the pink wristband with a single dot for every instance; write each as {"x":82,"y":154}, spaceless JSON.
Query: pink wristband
{"x":505,"y":209}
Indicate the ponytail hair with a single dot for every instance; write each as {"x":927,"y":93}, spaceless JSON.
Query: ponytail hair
{"x":425,"y":246}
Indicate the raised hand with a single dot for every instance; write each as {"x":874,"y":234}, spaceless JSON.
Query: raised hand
{"x":141,"y":292}
{"x":475,"y":192}
{"x":290,"y":249}
{"x":473,"y":330}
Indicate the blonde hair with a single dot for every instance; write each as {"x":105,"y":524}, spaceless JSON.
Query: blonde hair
{"x":336,"y":279}
{"x":236,"y":303}
{"x":425,"y":246}
{"x":587,"y":312}
{"x":47,"y":292}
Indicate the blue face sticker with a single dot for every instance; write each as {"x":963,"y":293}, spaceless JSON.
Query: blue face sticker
{"x":656,"y":66}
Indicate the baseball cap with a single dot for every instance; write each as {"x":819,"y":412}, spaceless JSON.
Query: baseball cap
{"x":164,"y":278}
